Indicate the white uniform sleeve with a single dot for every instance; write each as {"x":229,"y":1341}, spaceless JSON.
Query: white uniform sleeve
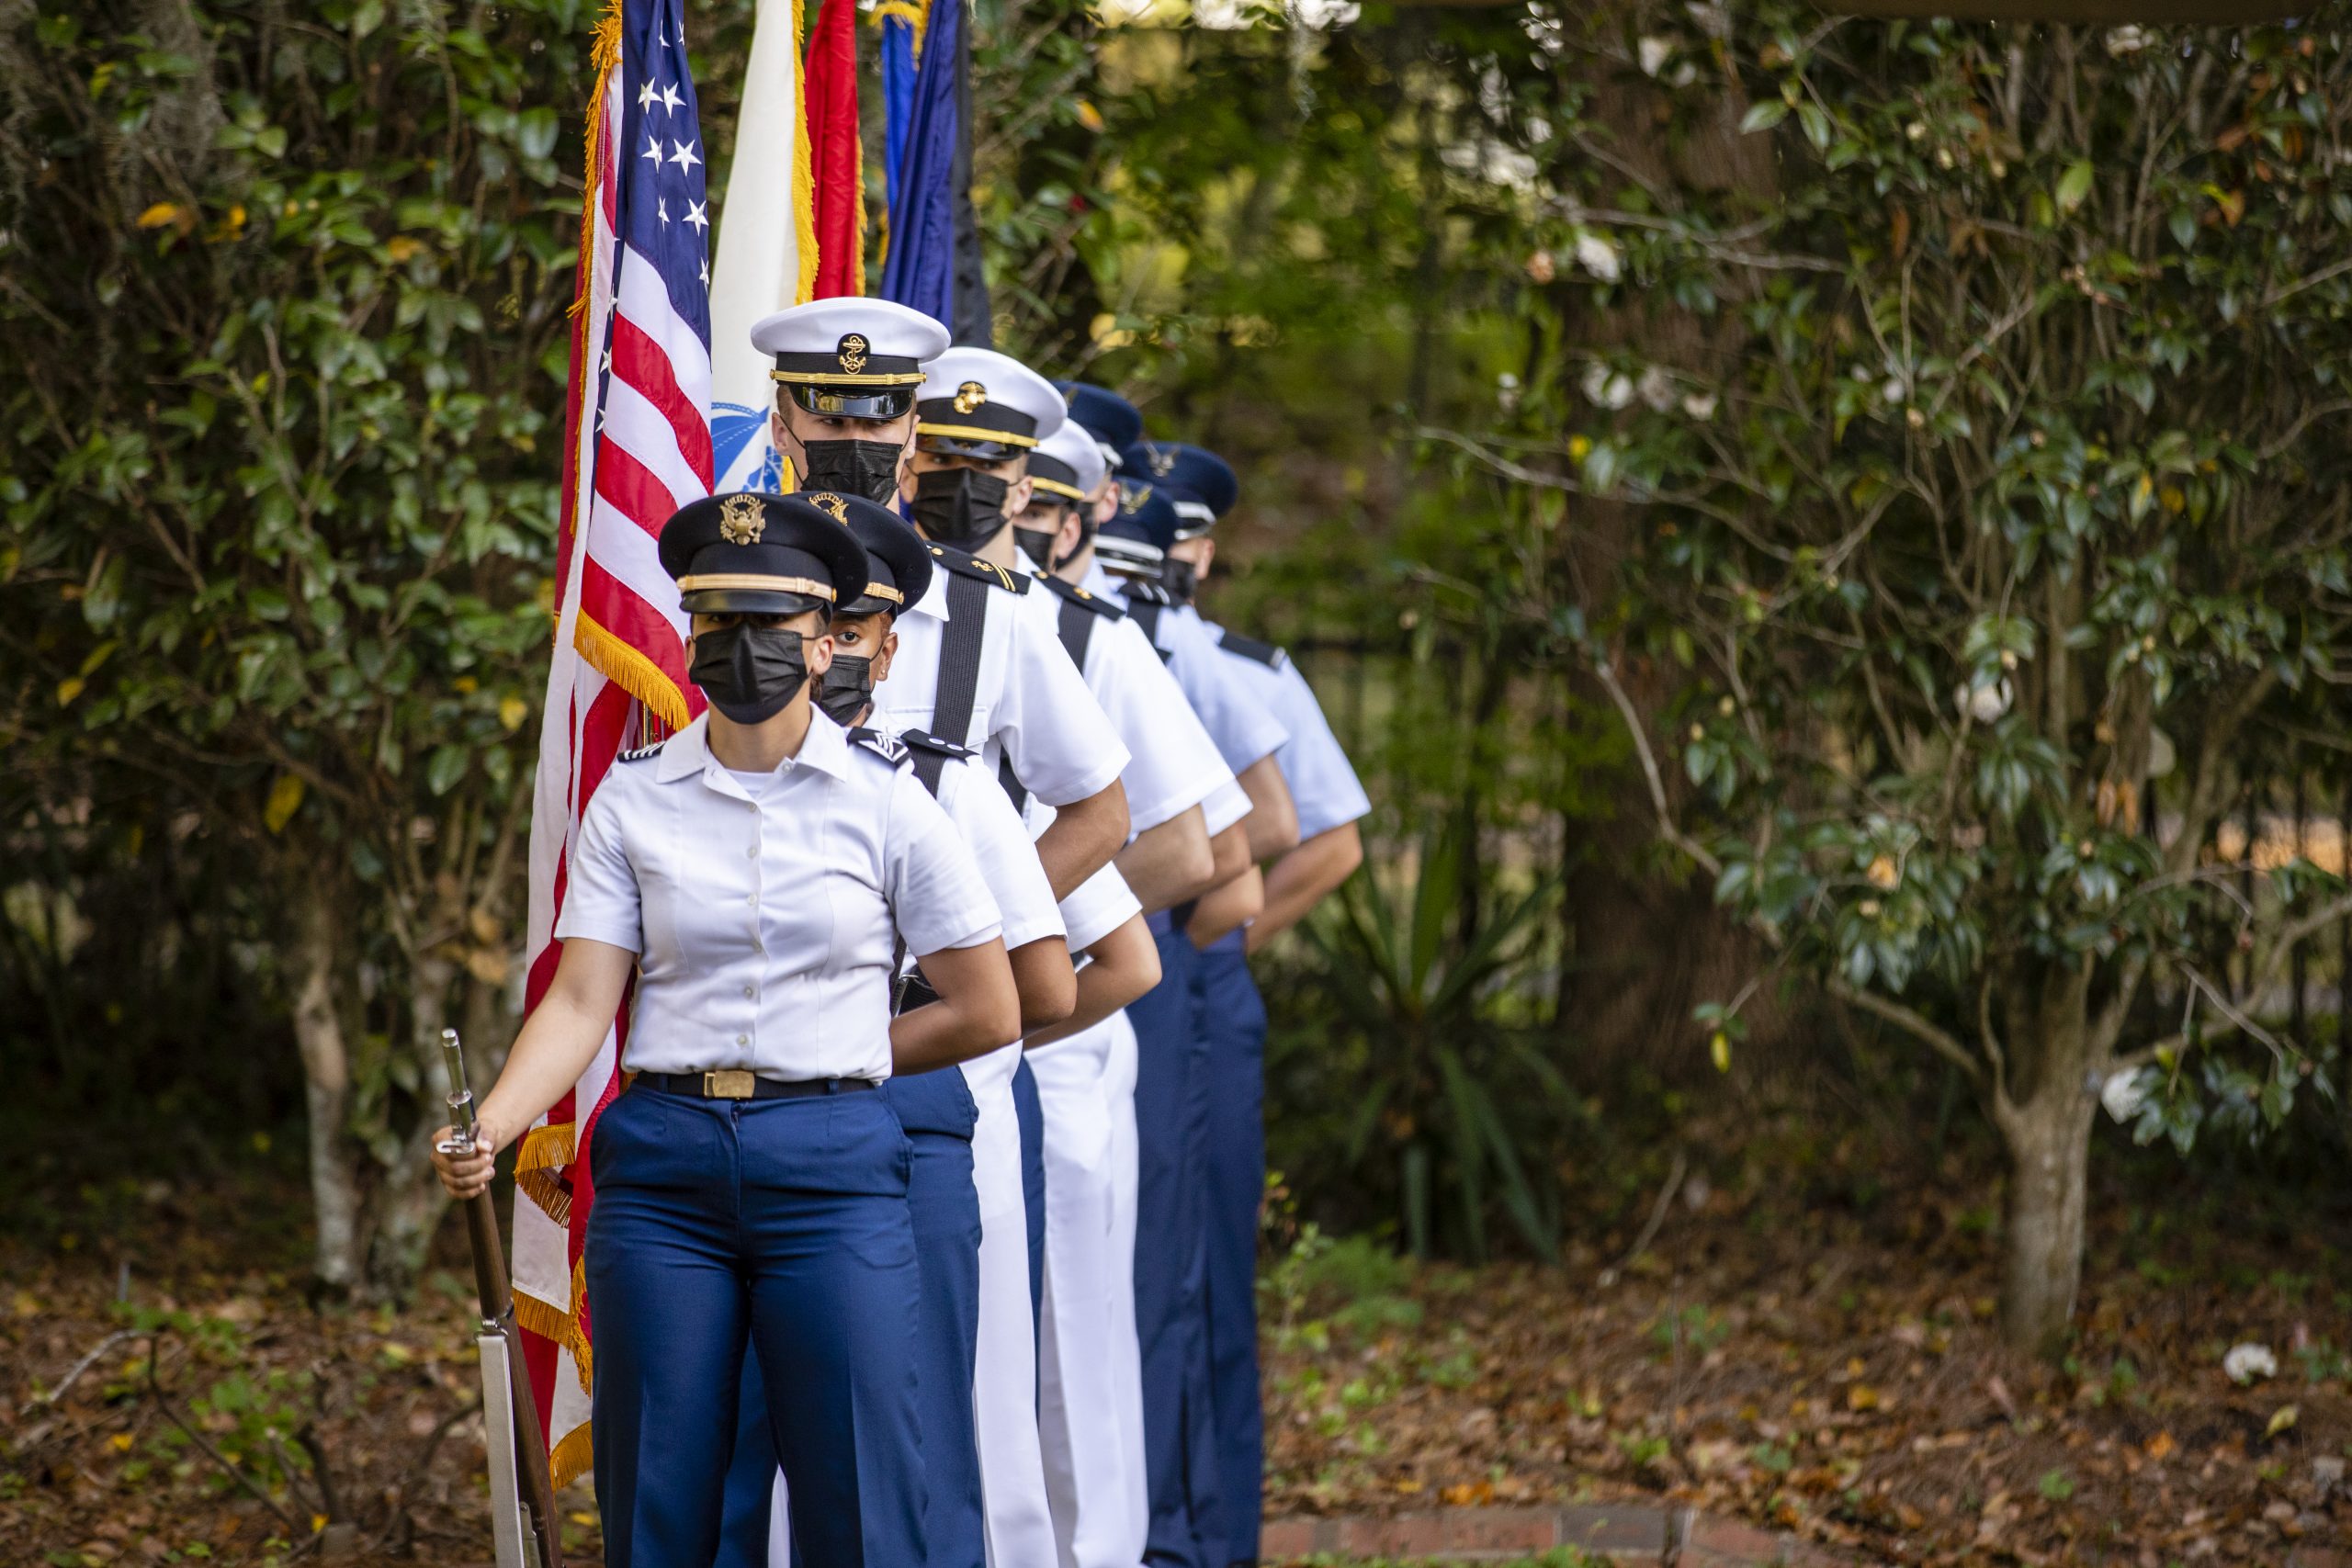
{"x":1323,"y":784}
{"x":1175,"y":763}
{"x":932,"y":882}
{"x":1060,"y":741}
{"x":600,"y":895}
{"x":1001,"y":848}
{"x":1097,"y":907}
{"x":1229,"y":804}
{"x":1236,"y":718}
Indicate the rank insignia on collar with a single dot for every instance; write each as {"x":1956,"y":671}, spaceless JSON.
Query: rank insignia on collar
{"x":852,"y":353}
{"x":740,"y":521}
{"x":832,"y":505}
{"x":969,"y":396}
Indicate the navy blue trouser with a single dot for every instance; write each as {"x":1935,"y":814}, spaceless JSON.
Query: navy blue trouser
{"x":937,"y":1111}
{"x":1233,"y":1019}
{"x":1030,"y":1111}
{"x":782,"y":1223}
{"x":1171,"y":1086}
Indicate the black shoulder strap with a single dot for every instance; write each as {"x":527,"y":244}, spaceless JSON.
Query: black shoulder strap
{"x":1249,"y":647}
{"x":1077,"y":627}
{"x":1145,"y":613}
{"x":959,"y":659}
{"x":932,"y":755}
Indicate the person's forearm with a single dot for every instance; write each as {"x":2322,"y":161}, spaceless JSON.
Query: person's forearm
{"x":1304,"y":878}
{"x":1230,"y":851}
{"x":1227,"y":909}
{"x":1126,"y":964}
{"x":1085,"y":834}
{"x":1167,"y":864}
{"x":553,"y":1048}
{"x":1041,"y":972}
{"x":1272,"y":822}
{"x":978,"y":1010}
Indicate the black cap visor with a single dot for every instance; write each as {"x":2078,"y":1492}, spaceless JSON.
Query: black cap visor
{"x":851,"y":402}
{"x":987,"y":451}
{"x":751,"y":601}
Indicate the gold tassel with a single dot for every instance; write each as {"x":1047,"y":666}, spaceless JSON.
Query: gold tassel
{"x":547,"y":1146}
{"x":583,"y":1355}
{"x":547,"y":1192}
{"x":571,"y":1457}
{"x":630,"y":670}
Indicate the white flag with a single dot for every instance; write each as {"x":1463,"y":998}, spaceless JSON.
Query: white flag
{"x":767,"y":249}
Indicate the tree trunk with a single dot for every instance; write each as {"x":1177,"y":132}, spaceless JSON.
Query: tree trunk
{"x":2048,"y":1135}
{"x":326,"y":1078}
{"x":410,"y":1199}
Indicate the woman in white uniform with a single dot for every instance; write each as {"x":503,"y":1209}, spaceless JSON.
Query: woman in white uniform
{"x":760,"y":873}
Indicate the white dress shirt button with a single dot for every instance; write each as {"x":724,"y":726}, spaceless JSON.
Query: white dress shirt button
{"x":742,"y":1040}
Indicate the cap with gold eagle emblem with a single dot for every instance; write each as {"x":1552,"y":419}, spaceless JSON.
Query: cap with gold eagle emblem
{"x":752,"y":552}
{"x":975,"y":402}
{"x":850,"y":358}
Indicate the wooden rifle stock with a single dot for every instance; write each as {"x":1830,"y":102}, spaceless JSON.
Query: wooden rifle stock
{"x":535,"y":1484}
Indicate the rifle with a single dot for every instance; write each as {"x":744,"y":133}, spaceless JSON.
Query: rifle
{"x":522,"y":1496}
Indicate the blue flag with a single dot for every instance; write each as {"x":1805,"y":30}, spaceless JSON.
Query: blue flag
{"x":934,"y":264}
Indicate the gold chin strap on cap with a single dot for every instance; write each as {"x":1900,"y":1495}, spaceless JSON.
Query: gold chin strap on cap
{"x":753,"y":581}
{"x":888,"y":595}
{"x":974,"y":433}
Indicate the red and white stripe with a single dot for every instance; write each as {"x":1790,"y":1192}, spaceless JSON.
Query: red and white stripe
{"x":630,"y":465}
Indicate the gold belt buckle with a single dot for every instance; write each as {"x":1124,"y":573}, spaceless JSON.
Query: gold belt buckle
{"x":729,"y":1084}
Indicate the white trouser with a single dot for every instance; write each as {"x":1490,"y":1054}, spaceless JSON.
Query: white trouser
{"x":1092,"y":1405}
{"x":1094,"y":1462}
{"x":1005,"y":1374}
{"x":1004,"y":1378}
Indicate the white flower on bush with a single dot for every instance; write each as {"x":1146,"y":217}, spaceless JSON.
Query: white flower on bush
{"x":2126,"y":39}
{"x":1597,"y":256}
{"x":1984,"y":702}
{"x":2246,"y":1364}
{"x":1657,"y":388}
{"x":1654,"y":53}
{"x":2123,"y":1094}
{"x":1892,"y":389}
{"x":1700,"y":405}
{"x":1608,"y":388}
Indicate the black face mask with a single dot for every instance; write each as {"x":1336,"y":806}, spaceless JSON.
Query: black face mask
{"x":1181,"y":578}
{"x":960,"y":506}
{"x":750,"y":673}
{"x":868,"y":469}
{"x":845,"y":687}
{"x":1037,"y":544}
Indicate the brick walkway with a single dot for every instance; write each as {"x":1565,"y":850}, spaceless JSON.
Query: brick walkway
{"x":1622,"y":1532}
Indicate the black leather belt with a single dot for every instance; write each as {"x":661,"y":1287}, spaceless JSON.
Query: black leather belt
{"x":736,"y":1084}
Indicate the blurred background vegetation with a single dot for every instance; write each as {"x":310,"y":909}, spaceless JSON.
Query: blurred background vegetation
{"x":283,"y":287}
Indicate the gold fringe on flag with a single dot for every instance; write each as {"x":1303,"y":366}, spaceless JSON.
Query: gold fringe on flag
{"x":916,"y":14}
{"x":537,"y":1168}
{"x":630,"y":670}
{"x":804,"y":178}
{"x":571,"y":1457}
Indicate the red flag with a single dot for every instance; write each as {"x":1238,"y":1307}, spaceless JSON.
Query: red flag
{"x":836,"y":158}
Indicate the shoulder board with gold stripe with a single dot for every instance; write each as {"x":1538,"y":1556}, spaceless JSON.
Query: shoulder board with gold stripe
{"x":967,"y":565}
{"x":882,"y":745}
{"x":1249,"y":647}
{"x":1072,"y":593}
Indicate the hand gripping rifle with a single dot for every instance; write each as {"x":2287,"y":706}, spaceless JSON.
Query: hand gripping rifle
{"x":522,"y":1498}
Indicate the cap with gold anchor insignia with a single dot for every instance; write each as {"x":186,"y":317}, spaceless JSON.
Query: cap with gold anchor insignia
{"x":850,"y":358}
{"x":975,"y":402}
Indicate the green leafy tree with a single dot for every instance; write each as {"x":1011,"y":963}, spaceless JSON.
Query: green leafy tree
{"x":284,"y":293}
{"x":1995,"y":556}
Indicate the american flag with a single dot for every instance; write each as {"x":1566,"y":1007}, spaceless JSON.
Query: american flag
{"x":637,"y":448}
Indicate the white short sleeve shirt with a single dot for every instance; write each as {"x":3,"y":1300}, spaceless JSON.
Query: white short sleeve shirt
{"x":765,"y":928}
{"x":1097,"y":907}
{"x":1029,"y":705}
{"x":1174,"y":764}
{"x":1323,"y":783}
{"x":1243,"y":727}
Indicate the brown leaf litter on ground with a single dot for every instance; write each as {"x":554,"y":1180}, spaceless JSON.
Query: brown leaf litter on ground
{"x":1834,"y":1375}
